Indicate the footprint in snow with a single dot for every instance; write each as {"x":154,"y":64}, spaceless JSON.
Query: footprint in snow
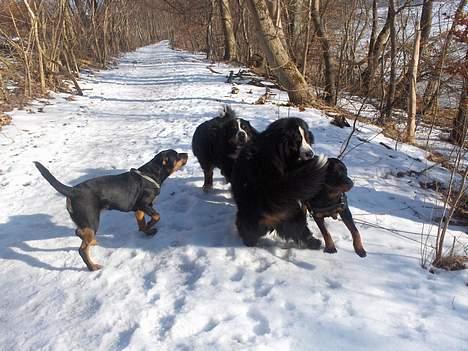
{"x":238,"y":275}
{"x":333,"y":284}
{"x":262,"y":289}
{"x":262,"y":325}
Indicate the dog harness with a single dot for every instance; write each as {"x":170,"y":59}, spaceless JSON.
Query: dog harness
{"x":330,"y":210}
{"x":149,"y":179}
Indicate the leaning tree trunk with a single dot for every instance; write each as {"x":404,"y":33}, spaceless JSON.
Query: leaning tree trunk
{"x":413,"y":74}
{"x":230,"y":49}
{"x":280,"y":63}
{"x":330,"y":91}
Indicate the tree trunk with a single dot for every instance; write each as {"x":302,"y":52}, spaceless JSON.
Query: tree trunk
{"x":330,"y":91}
{"x":209,"y":32}
{"x":413,"y":74}
{"x":460,"y":123}
{"x":299,"y":13}
{"x":307,"y":39}
{"x":280,"y":63}
{"x":230,"y":49}
{"x":245,"y":35}
{"x":426,"y":23}
{"x":274,"y":6}
{"x":433,"y":87}
{"x":392,"y":79}
{"x":375,"y":50}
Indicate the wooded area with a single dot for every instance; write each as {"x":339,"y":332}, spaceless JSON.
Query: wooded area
{"x":402,"y":57}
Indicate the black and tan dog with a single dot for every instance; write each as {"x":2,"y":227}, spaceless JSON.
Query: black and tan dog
{"x":130,"y":191}
{"x":271,"y":177}
{"x":331,"y":201}
{"x":217,"y":143}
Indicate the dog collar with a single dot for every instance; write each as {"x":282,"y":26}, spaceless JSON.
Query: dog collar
{"x":341,"y":205}
{"x":149,"y":179}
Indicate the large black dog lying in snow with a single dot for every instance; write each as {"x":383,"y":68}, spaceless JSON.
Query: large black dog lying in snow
{"x":271,"y":177}
{"x":217,"y":142}
{"x":331,"y":201}
{"x":129,"y":191}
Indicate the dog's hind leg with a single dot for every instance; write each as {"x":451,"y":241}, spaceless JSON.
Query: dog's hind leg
{"x":88,"y":239}
{"x":208,"y":175}
{"x":296,"y":228}
{"x":249,"y":231}
{"x":329,"y":243}
{"x":85,"y":213}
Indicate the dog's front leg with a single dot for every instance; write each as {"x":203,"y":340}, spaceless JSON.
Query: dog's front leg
{"x":140,"y":218}
{"x":155,"y":217}
{"x":347,"y":218}
{"x":329,"y":243}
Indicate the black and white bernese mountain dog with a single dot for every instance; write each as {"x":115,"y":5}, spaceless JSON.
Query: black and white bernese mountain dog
{"x":217,"y":143}
{"x":331,"y":201}
{"x":272,"y":177}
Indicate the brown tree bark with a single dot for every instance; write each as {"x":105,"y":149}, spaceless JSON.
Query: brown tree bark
{"x":392,"y":79}
{"x":426,"y":23}
{"x":230,"y":48}
{"x":375,"y":49}
{"x":280,"y":63}
{"x":329,"y":65}
{"x":413,"y":74}
{"x":274,"y":6}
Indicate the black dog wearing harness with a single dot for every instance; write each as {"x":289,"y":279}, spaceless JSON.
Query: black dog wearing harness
{"x":331,"y":201}
{"x":129,"y":191}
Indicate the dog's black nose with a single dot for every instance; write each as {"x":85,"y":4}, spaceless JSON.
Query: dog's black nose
{"x":309,"y":155}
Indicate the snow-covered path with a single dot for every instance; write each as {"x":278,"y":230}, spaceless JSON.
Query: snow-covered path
{"x":194,"y":286}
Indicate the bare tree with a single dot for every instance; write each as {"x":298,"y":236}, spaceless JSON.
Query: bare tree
{"x":280,"y":63}
{"x":329,"y":66}
{"x":413,"y":74}
{"x":432,"y":90}
{"x":230,"y":49}
{"x":392,"y":79}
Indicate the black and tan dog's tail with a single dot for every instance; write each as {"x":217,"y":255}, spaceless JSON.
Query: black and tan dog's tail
{"x":61,"y":188}
{"x":227,"y":112}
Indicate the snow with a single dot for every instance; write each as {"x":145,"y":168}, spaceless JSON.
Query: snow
{"x":194,"y":286}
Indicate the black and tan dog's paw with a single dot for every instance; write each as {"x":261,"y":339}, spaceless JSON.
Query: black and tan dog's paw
{"x":330,"y":250}
{"x":361,"y":252}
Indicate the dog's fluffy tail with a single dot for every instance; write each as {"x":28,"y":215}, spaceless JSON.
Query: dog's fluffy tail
{"x":227,"y":112}
{"x":61,"y":188}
